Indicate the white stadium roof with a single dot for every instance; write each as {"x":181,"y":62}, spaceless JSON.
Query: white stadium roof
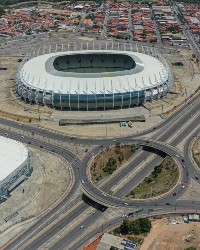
{"x":12,"y":155}
{"x":34,"y":74}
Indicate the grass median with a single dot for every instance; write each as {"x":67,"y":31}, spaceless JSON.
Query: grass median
{"x":110,"y":159}
{"x":160,"y":181}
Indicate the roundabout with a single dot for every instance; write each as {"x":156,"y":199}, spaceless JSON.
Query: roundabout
{"x":93,"y":192}
{"x":161,"y":141}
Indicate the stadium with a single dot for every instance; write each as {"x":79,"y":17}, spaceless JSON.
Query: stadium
{"x":91,"y":78}
{"x":15,"y":165}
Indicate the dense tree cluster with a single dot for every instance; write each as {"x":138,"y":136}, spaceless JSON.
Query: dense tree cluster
{"x":11,"y":2}
{"x":189,"y":1}
{"x":110,"y":166}
{"x":142,"y":225}
{"x":2,"y":11}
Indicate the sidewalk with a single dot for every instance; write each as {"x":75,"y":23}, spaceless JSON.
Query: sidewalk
{"x":15,"y":230}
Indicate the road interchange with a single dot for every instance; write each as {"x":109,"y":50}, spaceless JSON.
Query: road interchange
{"x":178,"y":119}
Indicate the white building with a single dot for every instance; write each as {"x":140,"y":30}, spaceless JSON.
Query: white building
{"x":15,"y":165}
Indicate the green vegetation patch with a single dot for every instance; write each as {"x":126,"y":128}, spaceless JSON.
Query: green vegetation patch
{"x":161,"y":180}
{"x":190,"y":248}
{"x":137,"y":227}
{"x":109,"y":160}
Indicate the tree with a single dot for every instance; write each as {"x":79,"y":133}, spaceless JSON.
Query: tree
{"x":145,"y":225}
{"x":110,"y":166}
{"x":135,"y":227}
{"x":190,"y":248}
{"x":142,"y":225}
{"x":121,"y":157}
{"x":148,"y":179}
{"x":158,"y":169}
{"x":125,"y":228}
{"x":2,"y":11}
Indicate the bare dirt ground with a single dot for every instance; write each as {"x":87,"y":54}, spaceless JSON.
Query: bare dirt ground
{"x":165,"y":236}
{"x":38,"y":192}
{"x":185,"y":83}
{"x":196,"y":151}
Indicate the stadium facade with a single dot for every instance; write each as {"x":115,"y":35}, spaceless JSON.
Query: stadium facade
{"x":15,"y":165}
{"x":90,"y":76}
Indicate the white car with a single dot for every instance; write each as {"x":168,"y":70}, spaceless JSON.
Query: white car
{"x":114,"y":140}
{"x":82,"y":182}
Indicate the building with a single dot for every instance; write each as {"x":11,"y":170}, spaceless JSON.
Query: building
{"x":194,"y":217}
{"x":109,"y":241}
{"x":89,"y":79}
{"x":15,"y":165}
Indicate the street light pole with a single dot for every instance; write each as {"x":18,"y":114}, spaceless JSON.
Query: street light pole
{"x":106,"y":129}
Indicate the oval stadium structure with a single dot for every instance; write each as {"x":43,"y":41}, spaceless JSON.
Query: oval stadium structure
{"x":15,"y":165}
{"x":91,"y":79}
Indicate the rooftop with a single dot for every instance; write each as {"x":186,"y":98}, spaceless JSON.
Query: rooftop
{"x":40,"y":74}
{"x":12,"y":155}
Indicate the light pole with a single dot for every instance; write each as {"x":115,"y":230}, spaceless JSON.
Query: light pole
{"x":106,"y":129}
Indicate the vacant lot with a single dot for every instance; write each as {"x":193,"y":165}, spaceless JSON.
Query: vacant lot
{"x":196,"y":151}
{"x":166,"y":236}
{"x":161,"y":180}
{"x":110,"y":160}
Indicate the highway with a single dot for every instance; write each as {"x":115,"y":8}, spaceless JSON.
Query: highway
{"x":159,"y":136}
{"x":188,"y":34}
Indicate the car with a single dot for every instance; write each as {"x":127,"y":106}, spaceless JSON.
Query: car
{"x":125,"y":203}
{"x":103,"y":194}
{"x":150,"y":209}
{"x":147,"y":141}
{"x":174,"y":194}
{"x":123,"y":215}
{"x":182,"y":160}
{"x":22,"y":136}
{"x":167,"y":204}
{"x":41,"y":146}
{"x":114,"y":140}
{"x":196,"y":177}
{"x":82,"y":226}
{"x":82,"y":182}
{"x":6,"y":134}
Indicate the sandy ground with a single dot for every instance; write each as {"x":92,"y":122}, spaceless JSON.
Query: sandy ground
{"x":38,"y":192}
{"x":192,"y":193}
{"x":186,"y":81}
{"x":196,"y":151}
{"x":165,"y":236}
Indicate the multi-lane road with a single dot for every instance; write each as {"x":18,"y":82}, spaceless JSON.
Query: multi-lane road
{"x":165,"y":137}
